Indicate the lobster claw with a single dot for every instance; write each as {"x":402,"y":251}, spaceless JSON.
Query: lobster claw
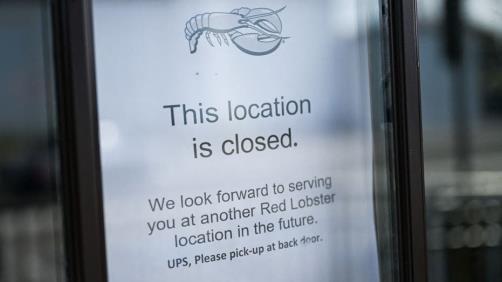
{"x":257,"y":44}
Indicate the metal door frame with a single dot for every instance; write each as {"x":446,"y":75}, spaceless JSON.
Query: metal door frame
{"x":80,"y":155}
{"x":407,"y":129}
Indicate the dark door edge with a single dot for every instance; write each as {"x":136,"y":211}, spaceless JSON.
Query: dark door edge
{"x":407,"y":131}
{"x":78,"y":132}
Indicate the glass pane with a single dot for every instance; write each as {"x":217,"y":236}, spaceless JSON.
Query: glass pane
{"x":244,"y":142}
{"x":31,"y":244}
{"x":461,"y":60}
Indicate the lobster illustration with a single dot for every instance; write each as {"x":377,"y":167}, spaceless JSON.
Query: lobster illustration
{"x":254,"y":31}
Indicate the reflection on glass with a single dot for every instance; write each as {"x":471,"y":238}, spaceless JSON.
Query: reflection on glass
{"x":461,"y":61}
{"x":30,"y":225}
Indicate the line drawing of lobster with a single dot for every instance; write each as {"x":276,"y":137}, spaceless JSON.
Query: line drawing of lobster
{"x":254,"y":31}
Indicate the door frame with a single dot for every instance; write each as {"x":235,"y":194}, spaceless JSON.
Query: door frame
{"x":407,"y":131}
{"x":80,"y":155}
{"x":82,"y":196}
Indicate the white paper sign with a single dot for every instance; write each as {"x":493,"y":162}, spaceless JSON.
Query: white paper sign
{"x":235,"y":141}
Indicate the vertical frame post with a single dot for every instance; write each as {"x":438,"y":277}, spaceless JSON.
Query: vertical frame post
{"x":407,"y":129}
{"x":79,"y":141}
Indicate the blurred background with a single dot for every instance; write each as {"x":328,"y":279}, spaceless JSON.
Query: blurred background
{"x":30,"y":226}
{"x":461,"y":80}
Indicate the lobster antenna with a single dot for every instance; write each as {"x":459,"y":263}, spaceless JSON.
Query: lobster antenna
{"x":267,"y":14}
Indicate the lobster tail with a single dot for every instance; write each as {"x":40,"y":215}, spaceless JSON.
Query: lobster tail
{"x":193,"y":41}
{"x":196,"y":24}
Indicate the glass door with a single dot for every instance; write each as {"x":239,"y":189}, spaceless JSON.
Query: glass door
{"x":237,"y":141}
{"x":461,"y":58}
